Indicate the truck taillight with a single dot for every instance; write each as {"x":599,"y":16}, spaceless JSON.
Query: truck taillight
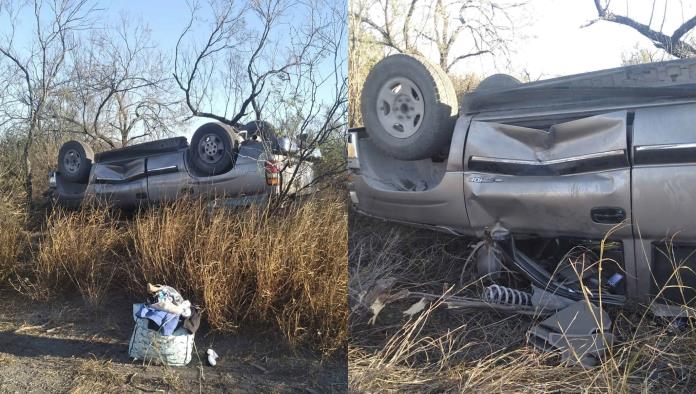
{"x":350,"y":146}
{"x":272,"y":173}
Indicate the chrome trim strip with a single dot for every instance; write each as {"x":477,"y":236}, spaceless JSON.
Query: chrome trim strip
{"x":664,"y":147}
{"x":668,"y":154}
{"x":589,"y":156}
{"x":113,"y":181}
{"x":168,"y":168}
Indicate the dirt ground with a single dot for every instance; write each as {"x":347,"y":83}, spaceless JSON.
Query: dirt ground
{"x":61,"y":346}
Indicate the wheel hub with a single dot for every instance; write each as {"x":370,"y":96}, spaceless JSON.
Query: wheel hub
{"x":400,"y":107}
{"x":211,"y":148}
{"x":72,"y":161}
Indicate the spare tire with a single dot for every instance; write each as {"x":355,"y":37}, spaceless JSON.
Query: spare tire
{"x":264,"y":130}
{"x":498,"y":82}
{"x":409,"y":107}
{"x":213,"y":149}
{"x":75,"y":160}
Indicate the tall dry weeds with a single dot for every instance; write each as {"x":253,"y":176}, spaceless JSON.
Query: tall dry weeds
{"x":13,"y":238}
{"x":440,"y":350}
{"x":285,"y":268}
{"x":79,"y":250}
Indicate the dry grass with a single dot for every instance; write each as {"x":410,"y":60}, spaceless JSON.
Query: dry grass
{"x":79,"y":250}
{"x":284,"y":268}
{"x":93,"y":375}
{"x":44,"y":159}
{"x":13,"y":238}
{"x":480,"y":350}
{"x":281,"y":268}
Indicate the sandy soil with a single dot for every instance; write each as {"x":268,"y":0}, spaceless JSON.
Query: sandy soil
{"x":62,"y":346}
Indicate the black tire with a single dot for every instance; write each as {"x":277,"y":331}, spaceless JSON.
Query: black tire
{"x":213,"y":149}
{"x":418,"y":123}
{"x":75,"y":160}
{"x":498,"y":82}
{"x":264,"y":130}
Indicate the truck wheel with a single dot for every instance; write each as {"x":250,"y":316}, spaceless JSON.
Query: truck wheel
{"x":409,"y":107}
{"x":75,"y":160}
{"x":497,"y":82}
{"x":213,"y":149}
{"x":264,"y":130}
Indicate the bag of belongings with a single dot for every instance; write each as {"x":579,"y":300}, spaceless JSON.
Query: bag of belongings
{"x":165,"y":326}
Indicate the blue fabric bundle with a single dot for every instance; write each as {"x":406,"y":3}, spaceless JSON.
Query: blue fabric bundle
{"x":166,"y":322}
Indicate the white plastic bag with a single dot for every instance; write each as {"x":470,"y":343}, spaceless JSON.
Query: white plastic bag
{"x":152,"y":346}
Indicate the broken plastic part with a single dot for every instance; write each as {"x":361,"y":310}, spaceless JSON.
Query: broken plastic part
{"x":580,"y":332}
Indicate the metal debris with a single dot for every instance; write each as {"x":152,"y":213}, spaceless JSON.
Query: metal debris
{"x":581,"y":332}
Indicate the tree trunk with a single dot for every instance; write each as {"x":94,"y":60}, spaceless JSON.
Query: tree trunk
{"x":28,"y":174}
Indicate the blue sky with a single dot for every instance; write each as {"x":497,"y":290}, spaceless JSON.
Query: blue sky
{"x":166,"y":19}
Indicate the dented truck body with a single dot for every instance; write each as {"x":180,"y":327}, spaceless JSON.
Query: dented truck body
{"x":164,"y":170}
{"x":604,"y":154}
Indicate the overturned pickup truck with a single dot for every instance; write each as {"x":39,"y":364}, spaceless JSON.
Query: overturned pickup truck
{"x":242,"y":164}
{"x":585,"y":185}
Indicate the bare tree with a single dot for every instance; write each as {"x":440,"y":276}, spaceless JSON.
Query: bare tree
{"x":195,"y":67}
{"x":363,"y":54}
{"x":675,"y":43}
{"x":120,"y":90}
{"x":478,"y":27}
{"x":257,"y":61}
{"x":40,"y":65}
{"x":641,"y":56}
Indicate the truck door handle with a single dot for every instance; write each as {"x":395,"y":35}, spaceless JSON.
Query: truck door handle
{"x":608,"y":215}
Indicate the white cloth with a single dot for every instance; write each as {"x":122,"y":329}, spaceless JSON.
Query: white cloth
{"x":184,"y":309}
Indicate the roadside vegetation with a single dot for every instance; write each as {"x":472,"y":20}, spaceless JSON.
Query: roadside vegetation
{"x":83,"y":73}
{"x":284,"y":268}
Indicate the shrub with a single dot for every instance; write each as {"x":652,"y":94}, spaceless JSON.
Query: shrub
{"x":286,"y":268}
{"x":13,"y":238}
{"x":79,"y":250}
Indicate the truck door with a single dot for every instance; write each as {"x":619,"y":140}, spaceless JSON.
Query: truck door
{"x":167,"y":178}
{"x":664,"y":202}
{"x":121,"y":182}
{"x":550,"y":178}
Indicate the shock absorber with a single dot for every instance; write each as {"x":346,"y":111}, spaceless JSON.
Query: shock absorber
{"x":496,"y":294}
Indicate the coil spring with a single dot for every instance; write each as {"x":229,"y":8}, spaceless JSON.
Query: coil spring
{"x":496,"y":294}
